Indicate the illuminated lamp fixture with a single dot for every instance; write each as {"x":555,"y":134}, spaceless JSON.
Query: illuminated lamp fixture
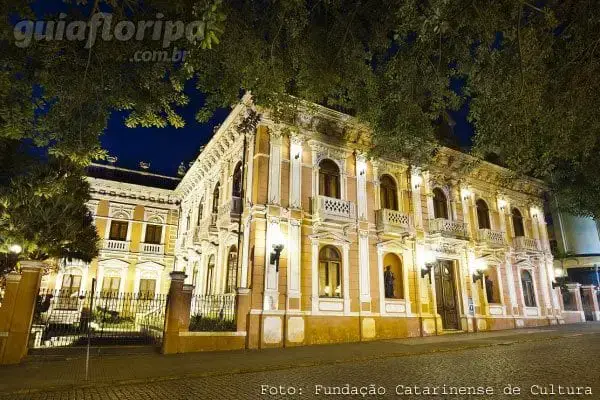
{"x":480,"y":267}
{"x":277,"y":248}
{"x":428,"y":266}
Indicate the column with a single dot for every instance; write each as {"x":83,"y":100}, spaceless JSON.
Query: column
{"x":295,"y":172}
{"x":363,"y":265}
{"x":415,"y":181}
{"x":361,"y":186}
{"x":271,"y":292}
{"x":274,"y":191}
{"x":293,"y":272}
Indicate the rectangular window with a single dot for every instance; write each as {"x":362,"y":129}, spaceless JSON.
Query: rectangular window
{"x":118,"y":230}
{"x":147,"y":288}
{"x":71,"y":284}
{"x":153,"y":234}
{"x":69,"y":291}
{"x":111,"y":285}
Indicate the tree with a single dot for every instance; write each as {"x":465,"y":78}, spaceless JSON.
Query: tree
{"x":528,"y":71}
{"x":43,"y":209}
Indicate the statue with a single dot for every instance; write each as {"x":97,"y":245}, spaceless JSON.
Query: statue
{"x":388,"y":279}
{"x":489,"y":289}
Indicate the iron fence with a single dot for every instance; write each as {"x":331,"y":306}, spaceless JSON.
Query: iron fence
{"x":66,"y":318}
{"x":213,"y":313}
{"x":569,"y":300}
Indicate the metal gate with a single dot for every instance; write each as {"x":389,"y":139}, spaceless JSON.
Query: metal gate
{"x":66,"y":318}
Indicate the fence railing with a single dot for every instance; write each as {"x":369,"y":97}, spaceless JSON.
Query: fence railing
{"x":213,"y":313}
{"x":62,"y":318}
{"x":447,"y":227}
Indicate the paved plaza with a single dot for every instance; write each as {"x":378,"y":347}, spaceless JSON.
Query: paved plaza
{"x":534,"y":361}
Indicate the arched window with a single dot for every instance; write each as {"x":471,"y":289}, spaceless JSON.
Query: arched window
{"x":329,"y":179}
{"x":215,"y":205}
{"x":517,"y":220}
{"x":200,"y":210}
{"x":231,"y":270}
{"x":483,"y":214}
{"x":392,"y":277}
{"x":388,"y":193}
{"x":237,"y":181}
{"x":440,"y":204}
{"x":527,"y":284}
{"x":330,"y":272}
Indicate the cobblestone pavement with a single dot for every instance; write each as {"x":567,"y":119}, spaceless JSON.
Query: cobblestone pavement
{"x":565,"y":356}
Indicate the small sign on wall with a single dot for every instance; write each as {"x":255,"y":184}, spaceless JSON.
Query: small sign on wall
{"x":471,"y":307}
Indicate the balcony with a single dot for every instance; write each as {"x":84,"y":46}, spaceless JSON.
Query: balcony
{"x":391,"y":221}
{"x":448,"y":228}
{"x":522,"y":243}
{"x":118,"y":245}
{"x":231,"y":210}
{"x":206,"y":226}
{"x":330,"y":209}
{"x":491,"y":238}
{"x":151,"y":248}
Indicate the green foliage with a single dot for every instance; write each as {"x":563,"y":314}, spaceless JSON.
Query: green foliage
{"x":43,"y":209}
{"x":530,"y":72}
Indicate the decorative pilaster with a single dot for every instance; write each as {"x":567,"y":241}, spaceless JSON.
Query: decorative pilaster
{"x":295,"y":172}
{"x":363,"y":267}
{"x":293,"y":273}
{"x":271,"y":293}
{"x":361,"y":185}
{"x":274,"y":191}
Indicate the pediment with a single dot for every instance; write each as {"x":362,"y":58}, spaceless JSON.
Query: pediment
{"x":327,"y":236}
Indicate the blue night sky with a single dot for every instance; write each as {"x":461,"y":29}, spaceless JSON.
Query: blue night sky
{"x":164,"y":148}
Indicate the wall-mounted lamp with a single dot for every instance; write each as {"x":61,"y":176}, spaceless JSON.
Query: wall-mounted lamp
{"x":502,"y":204}
{"x":465,"y":194}
{"x":416,"y":181}
{"x":296,"y":150}
{"x":430,"y":261}
{"x":480,"y":267}
{"x":534,"y":212}
{"x":277,"y":247}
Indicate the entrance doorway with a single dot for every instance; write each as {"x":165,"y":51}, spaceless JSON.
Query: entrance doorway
{"x":446,"y":294}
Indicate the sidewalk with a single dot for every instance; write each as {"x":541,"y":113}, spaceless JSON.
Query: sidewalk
{"x":135,"y":365}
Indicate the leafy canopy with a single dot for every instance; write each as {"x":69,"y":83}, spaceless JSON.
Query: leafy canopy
{"x":529,"y":74}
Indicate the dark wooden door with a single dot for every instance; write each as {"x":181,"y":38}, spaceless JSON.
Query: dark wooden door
{"x":446,"y":294}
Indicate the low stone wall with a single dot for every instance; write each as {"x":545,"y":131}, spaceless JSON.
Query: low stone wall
{"x":573,"y":317}
{"x":190,"y":342}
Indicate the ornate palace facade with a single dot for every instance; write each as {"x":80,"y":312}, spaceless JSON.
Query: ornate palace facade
{"x":335,"y":246}
{"x":136,"y":216}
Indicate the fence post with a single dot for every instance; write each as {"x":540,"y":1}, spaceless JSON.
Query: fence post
{"x":590,"y":292}
{"x":15,"y":320}
{"x":242,"y":307}
{"x":187,"y":305}
{"x":574,"y":290}
{"x":174,"y":317}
